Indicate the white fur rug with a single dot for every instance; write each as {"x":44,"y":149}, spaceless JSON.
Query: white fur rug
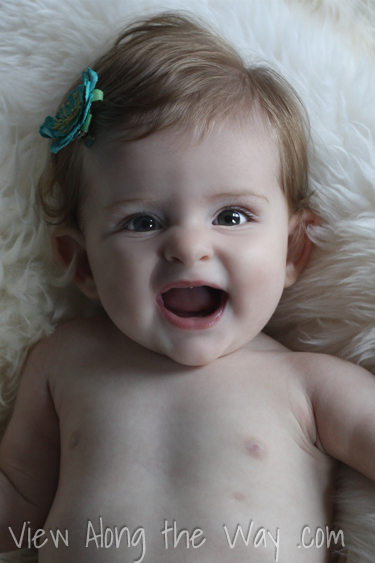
{"x":325,"y":49}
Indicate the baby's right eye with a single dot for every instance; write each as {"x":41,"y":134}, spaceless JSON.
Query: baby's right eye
{"x":142,"y":224}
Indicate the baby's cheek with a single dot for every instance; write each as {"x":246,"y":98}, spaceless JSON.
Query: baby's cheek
{"x":265,"y":264}
{"x":123,"y":289}
{"x":262,"y":284}
{"x":111,"y":280}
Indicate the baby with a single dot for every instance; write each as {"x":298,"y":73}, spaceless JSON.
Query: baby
{"x":170,"y":428}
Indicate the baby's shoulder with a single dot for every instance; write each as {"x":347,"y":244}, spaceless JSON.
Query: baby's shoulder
{"x":73,"y":341}
{"x":55,"y":354}
{"x":313,"y":363}
{"x":89,"y":330}
{"x":308,"y":367}
{"x":321,"y":372}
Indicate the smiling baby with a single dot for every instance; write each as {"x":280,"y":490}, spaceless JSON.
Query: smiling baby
{"x":171,"y":429}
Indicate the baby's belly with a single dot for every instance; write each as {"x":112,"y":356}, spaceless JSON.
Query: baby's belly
{"x":114,"y":536}
{"x":224,"y":506}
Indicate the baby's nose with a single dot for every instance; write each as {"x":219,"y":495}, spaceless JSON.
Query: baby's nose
{"x":187,"y":245}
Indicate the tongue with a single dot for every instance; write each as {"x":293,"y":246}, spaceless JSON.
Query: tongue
{"x":196,"y":301}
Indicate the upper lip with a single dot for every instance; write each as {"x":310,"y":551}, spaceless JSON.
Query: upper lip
{"x":189,"y":283}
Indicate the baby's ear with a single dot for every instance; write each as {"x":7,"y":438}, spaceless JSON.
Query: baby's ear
{"x":69,"y":249}
{"x":299,"y":244}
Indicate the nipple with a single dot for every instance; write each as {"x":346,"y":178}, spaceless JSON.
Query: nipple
{"x":255,"y":449}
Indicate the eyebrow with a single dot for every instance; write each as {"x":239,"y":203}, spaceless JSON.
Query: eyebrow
{"x":226,"y":195}
{"x":240,"y":194}
{"x":112,"y":206}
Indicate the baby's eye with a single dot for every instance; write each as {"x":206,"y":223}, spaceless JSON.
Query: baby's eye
{"x":229,"y":217}
{"x":142,"y":224}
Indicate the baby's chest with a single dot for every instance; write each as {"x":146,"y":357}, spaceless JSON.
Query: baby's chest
{"x":186,"y":425}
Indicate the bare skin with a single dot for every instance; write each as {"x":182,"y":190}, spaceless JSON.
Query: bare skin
{"x":144,"y":440}
{"x":176,"y":408}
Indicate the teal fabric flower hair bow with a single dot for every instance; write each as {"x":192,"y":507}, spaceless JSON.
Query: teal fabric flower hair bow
{"x":73,"y":118}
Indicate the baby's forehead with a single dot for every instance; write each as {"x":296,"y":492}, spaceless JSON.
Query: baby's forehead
{"x":239,"y":159}
{"x":115,"y":143}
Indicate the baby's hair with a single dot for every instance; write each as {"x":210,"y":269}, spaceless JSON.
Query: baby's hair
{"x":171,"y":70}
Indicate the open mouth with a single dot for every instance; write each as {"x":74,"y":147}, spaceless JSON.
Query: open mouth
{"x":198,"y":306}
{"x":200,"y":301}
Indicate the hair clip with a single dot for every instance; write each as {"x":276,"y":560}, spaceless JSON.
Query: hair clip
{"x":72,"y":120}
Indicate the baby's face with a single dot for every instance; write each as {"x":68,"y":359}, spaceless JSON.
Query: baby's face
{"x":187,"y":241}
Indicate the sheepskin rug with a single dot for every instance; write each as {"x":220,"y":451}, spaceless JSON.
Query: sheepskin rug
{"x":326,"y":49}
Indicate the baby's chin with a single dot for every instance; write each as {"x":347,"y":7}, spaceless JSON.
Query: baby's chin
{"x":199,"y":356}
{"x":191,"y":349}
{"x":197,"y":360}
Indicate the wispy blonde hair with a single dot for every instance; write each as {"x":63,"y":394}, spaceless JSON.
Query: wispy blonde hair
{"x":171,"y":70}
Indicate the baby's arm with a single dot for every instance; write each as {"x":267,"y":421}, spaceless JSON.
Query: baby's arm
{"x":343,"y":400}
{"x":29,"y":454}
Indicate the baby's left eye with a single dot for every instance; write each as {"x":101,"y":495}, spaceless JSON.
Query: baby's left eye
{"x":142,"y":223}
{"x":230,"y":217}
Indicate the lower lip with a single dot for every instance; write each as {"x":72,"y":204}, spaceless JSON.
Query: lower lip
{"x":193,"y":323}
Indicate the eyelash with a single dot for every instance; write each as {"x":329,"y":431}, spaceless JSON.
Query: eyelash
{"x":124,"y":224}
{"x":247,"y":214}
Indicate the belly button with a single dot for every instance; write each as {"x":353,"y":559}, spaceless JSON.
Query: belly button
{"x":255,"y":449}
{"x":75,"y":438}
{"x":238,"y":496}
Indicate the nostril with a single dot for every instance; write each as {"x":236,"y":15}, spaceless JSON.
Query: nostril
{"x":187,"y":258}
{"x":175,"y":259}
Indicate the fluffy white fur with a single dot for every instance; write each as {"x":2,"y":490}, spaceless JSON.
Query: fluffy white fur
{"x":45,"y":44}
